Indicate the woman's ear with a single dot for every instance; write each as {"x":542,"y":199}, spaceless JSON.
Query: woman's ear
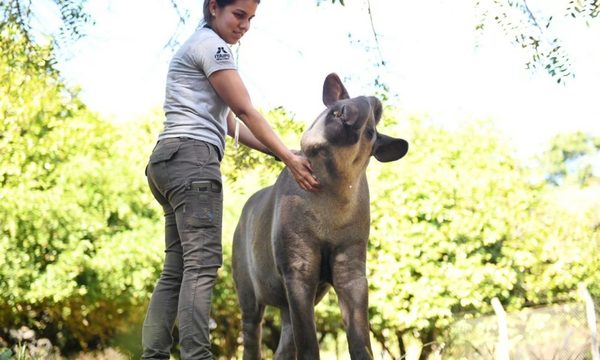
{"x":212,"y":6}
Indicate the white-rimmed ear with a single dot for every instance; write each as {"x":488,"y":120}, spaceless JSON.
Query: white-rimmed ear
{"x":333,"y":90}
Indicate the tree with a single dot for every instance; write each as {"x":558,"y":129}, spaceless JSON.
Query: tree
{"x":457,"y":222}
{"x":535,"y":30}
{"x":454,"y":224}
{"x":72,"y":14}
{"x":76,"y":224}
{"x":569,"y":158}
{"x":526,"y":27}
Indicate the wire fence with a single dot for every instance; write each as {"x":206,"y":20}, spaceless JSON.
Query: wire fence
{"x":559,"y":332}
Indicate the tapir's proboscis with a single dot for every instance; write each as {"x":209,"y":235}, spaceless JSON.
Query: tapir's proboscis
{"x":291,"y":246}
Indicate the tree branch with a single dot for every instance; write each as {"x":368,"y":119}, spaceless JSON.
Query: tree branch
{"x":382,"y":61}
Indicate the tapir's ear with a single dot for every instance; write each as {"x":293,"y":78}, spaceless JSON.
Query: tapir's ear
{"x":333,"y":90}
{"x":377,"y":108}
{"x":388,"y":148}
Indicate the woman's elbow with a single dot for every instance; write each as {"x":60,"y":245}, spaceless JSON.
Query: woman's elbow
{"x":246,"y":113}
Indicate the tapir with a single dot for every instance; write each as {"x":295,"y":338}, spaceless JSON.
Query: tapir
{"x":290,"y":246}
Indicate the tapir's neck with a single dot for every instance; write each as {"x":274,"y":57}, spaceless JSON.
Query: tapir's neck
{"x":341,"y":182}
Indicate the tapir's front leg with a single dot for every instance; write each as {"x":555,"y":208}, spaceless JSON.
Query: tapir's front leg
{"x":350,"y":284}
{"x":299,"y":263}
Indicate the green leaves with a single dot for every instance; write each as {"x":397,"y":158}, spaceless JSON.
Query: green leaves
{"x":241,"y":161}
{"x":78,"y":224}
{"x":455,"y":223}
{"x":535,"y":31}
{"x":569,"y":158}
{"x":72,"y":15}
{"x":459,"y":221}
{"x":585,"y":9}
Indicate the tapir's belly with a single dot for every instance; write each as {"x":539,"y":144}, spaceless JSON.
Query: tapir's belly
{"x":266,"y":280}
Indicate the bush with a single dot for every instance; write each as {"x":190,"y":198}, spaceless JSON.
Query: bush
{"x":79,"y":228}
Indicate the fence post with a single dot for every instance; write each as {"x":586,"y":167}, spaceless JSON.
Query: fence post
{"x":502,"y":349}
{"x":591,"y":319}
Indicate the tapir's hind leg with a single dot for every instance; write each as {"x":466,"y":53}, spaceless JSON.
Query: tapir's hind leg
{"x":252,"y":311}
{"x":286,"y":350}
{"x":252,"y":331}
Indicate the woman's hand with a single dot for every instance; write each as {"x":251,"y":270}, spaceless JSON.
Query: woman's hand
{"x":302,"y":171}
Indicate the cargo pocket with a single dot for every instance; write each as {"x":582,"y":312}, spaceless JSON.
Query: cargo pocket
{"x":202,"y":206}
{"x":202,"y":220}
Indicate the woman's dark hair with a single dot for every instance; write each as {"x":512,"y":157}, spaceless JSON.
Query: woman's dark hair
{"x":221,"y":4}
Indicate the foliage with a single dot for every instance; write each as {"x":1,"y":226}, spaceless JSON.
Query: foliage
{"x":455,"y":223}
{"x":461,"y":222}
{"x":241,"y":159}
{"x":28,"y":346}
{"x":72,"y":14}
{"x":534,"y":31}
{"x":76,"y":264}
{"x":569,"y":158}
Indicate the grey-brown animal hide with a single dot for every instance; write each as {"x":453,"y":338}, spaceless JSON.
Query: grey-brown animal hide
{"x":290,"y":245}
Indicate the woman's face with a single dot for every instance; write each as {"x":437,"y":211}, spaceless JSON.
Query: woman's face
{"x":232,"y":21}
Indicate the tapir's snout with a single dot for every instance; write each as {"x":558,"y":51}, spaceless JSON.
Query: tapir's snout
{"x":348,"y":114}
{"x":345,"y":121}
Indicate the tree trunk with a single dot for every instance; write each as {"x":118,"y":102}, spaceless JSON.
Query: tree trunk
{"x":381,"y":340}
{"x":427,"y":339}
{"x":401,"y":345}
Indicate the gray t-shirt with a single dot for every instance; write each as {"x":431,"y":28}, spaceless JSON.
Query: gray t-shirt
{"x":192,"y":107}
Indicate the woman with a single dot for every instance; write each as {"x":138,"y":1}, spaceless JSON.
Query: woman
{"x":184,"y":174}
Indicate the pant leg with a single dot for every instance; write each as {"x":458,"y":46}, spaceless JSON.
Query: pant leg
{"x":201,"y":242}
{"x":185,"y":178}
{"x":157,"y":338}
{"x":157,"y":331}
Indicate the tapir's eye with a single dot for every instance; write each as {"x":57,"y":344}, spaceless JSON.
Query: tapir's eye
{"x":370,"y":132}
{"x":339,"y":113}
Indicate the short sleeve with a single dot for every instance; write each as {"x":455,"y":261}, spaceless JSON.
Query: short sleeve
{"x":213,"y":54}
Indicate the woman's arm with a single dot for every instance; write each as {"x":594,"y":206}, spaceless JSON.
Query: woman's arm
{"x":245,"y":135}
{"x":230,"y":87}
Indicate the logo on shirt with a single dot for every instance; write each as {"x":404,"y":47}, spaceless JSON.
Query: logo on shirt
{"x":222,"y":54}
